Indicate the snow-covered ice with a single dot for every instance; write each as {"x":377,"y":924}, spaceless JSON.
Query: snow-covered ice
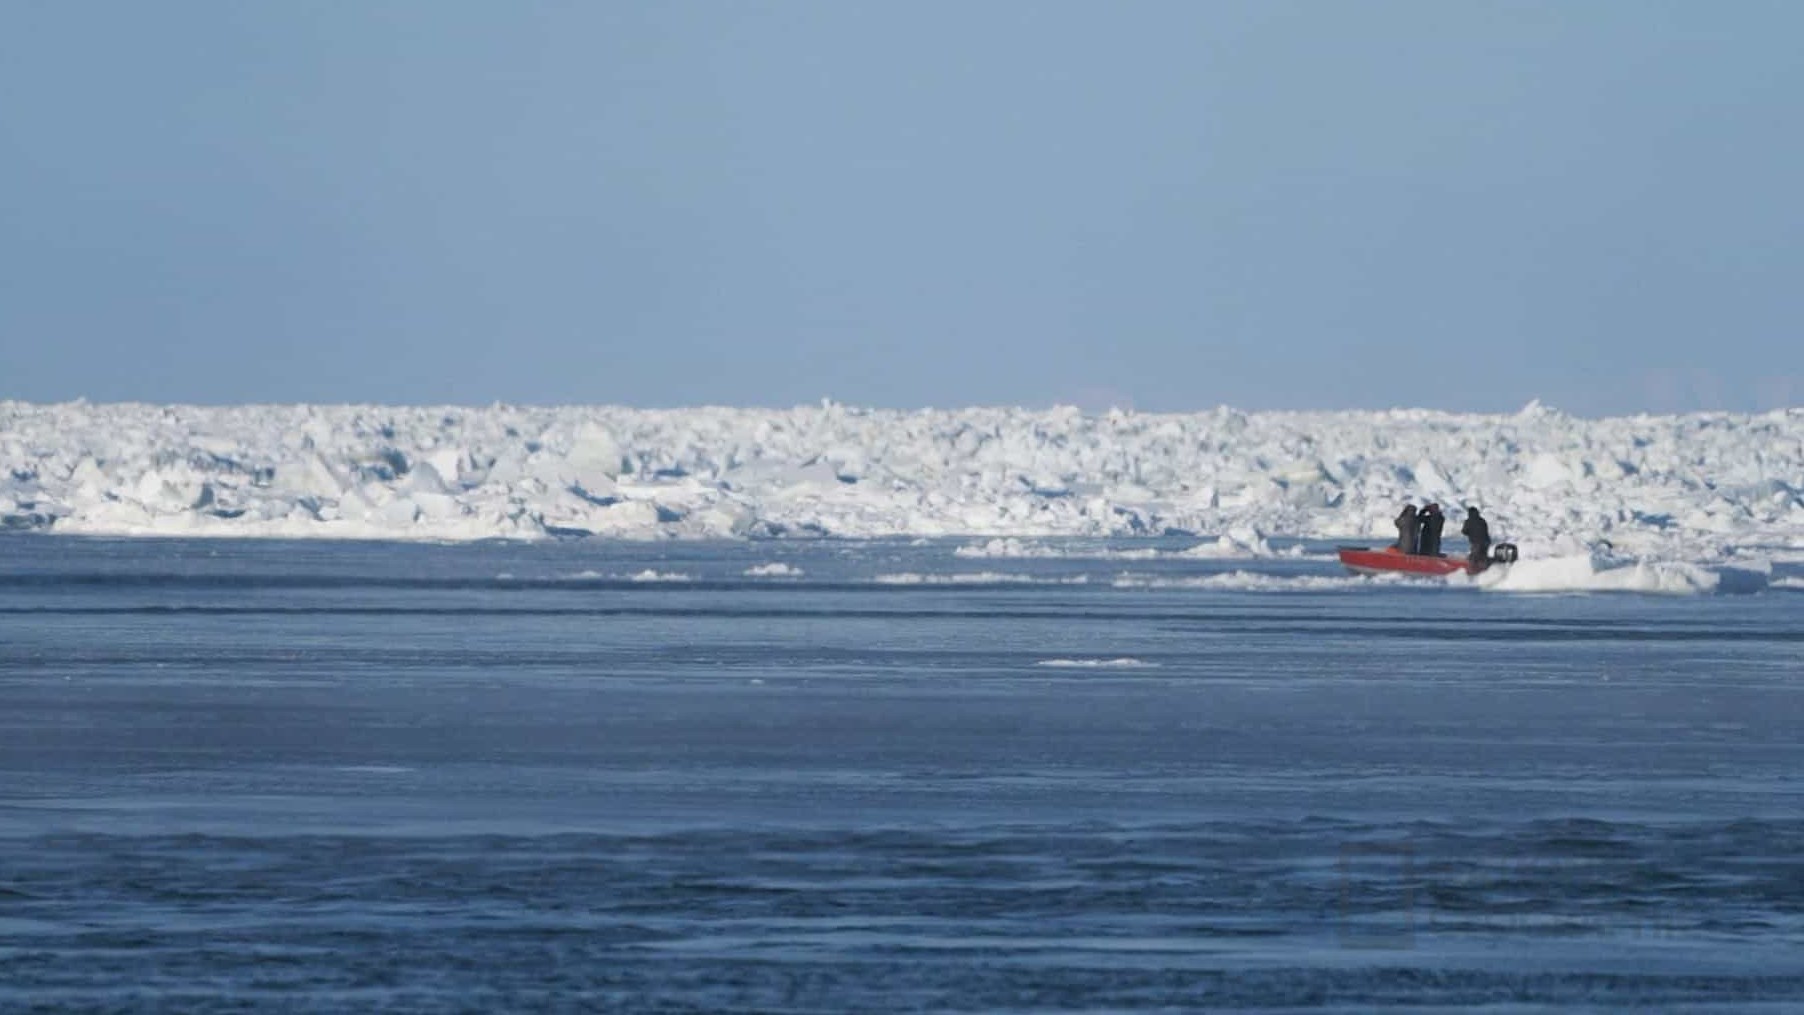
{"x":1705,"y":487}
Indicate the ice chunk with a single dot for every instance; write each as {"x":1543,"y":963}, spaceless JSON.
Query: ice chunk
{"x":1241,"y":541}
{"x":594,"y":458}
{"x":773,"y":570}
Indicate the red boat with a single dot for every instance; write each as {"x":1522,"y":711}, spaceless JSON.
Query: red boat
{"x":1390,"y":560}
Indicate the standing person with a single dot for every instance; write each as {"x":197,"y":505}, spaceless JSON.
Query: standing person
{"x":1477,"y":532}
{"x":1406,"y":529}
{"x":1431,"y":522}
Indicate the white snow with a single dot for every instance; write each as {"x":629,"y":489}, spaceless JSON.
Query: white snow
{"x":1704,"y":488}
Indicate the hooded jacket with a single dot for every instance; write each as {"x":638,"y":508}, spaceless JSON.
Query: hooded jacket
{"x":1406,"y":529}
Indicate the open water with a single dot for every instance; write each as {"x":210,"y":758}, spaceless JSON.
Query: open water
{"x":590,"y":776}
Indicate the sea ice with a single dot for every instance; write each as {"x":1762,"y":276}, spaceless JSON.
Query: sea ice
{"x":1705,"y":488}
{"x":776,"y":569}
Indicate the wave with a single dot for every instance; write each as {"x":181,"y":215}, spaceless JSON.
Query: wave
{"x":1121,"y":663}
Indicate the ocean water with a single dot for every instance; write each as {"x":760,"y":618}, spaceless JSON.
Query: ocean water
{"x":831,"y":776}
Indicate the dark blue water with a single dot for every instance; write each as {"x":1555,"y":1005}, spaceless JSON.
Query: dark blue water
{"x":318,"y":776}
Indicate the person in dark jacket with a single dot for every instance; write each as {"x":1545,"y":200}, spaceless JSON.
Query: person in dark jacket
{"x":1406,"y":529}
{"x":1431,"y":521}
{"x":1478,"y":533}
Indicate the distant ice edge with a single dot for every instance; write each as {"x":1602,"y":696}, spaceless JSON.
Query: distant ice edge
{"x":1698,"y":486}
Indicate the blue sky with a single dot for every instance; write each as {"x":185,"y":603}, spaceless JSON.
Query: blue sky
{"x":1164,"y":206}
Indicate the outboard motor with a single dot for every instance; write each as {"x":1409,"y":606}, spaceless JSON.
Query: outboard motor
{"x":1503,"y":553}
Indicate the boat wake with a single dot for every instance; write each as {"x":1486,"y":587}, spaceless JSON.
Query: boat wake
{"x":1591,"y":573}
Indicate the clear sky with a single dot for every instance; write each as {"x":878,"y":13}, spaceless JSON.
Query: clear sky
{"x":1164,"y":206}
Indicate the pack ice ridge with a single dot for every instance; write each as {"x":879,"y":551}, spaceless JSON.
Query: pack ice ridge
{"x":1698,"y":486}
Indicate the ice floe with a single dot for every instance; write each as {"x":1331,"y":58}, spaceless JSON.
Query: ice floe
{"x":773,"y":570}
